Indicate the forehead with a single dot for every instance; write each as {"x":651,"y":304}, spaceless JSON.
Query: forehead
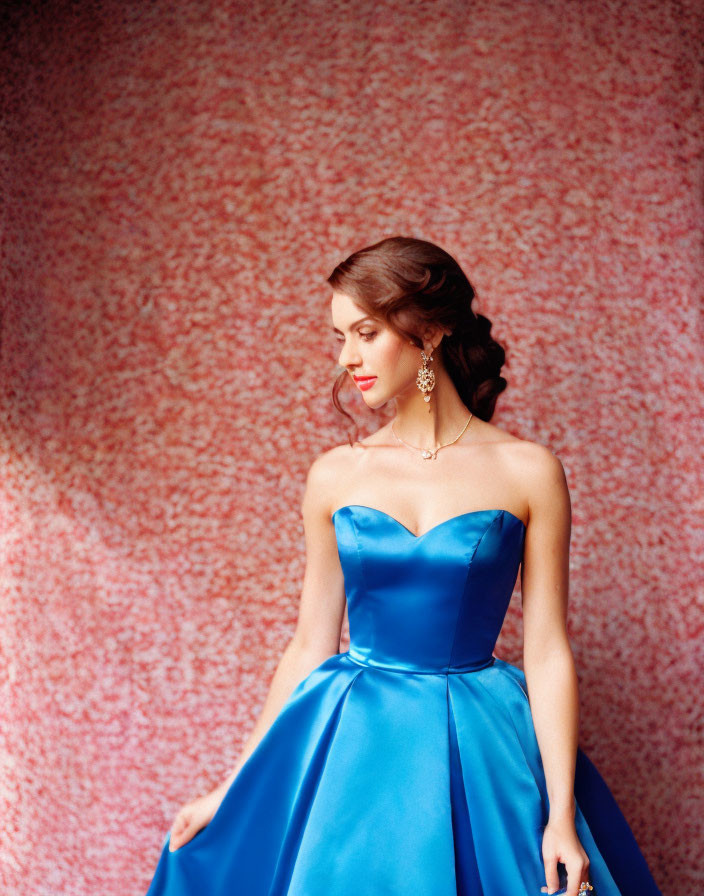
{"x":346,"y":312}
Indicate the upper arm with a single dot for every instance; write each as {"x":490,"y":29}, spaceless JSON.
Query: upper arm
{"x":545,"y":566}
{"x":322,"y":602}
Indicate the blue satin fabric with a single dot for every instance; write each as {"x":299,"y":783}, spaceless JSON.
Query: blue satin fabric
{"x":408,"y":764}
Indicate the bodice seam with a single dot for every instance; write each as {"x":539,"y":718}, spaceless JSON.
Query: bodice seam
{"x":359,"y":555}
{"x":464,"y":586}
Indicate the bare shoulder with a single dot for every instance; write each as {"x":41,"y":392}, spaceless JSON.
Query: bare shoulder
{"x":541,"y":476}
{"x":325,"y":475}
{"x":504,"y":441}
{"x":534,"y":471}
{"x":330,"y":464}
{"x":531,"y":459}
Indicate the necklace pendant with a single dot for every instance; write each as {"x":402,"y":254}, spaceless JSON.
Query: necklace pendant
{"x":427,"y":453}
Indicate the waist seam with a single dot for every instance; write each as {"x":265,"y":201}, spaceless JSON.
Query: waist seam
{"x":455,"y":670}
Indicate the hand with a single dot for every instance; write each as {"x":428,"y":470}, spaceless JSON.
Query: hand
{"x":561,"y":844}
{"x":192,"y":817}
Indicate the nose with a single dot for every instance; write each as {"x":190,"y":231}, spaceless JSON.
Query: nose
{"x":348,"y":356}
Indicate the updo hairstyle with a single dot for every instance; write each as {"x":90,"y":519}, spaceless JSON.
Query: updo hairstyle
{"x":411,"y":284}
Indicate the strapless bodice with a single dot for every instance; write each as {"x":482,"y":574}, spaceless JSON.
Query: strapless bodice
{"x":427,"y":603}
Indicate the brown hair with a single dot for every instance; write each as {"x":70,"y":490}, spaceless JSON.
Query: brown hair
{"x":410,"y":284}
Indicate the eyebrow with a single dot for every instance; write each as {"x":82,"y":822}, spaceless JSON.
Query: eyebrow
{"x":355,"y":324}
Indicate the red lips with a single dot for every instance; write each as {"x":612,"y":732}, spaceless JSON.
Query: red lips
{"x":364,"y":382}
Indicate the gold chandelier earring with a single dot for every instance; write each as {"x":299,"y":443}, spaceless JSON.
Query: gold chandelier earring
{"x":426,"y":377}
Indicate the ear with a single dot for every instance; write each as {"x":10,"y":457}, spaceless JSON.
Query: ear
{"x":432,"y":336}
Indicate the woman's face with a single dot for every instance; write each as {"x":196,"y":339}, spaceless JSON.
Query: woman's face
{"x":370,"y":348}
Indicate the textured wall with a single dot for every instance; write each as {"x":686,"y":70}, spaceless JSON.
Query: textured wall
{"x":178,"y":179}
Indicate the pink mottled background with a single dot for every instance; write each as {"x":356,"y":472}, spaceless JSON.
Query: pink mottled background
{"x":178,"y":179}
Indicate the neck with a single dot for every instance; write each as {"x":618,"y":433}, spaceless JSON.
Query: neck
{"x":427,"y":424}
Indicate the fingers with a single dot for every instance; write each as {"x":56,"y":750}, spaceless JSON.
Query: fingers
{"x":551,"y":876}
{"x":563,"y":854}
{"x":577,"y":872}
{"x":177,"y":841}
{"x":180,"y":831}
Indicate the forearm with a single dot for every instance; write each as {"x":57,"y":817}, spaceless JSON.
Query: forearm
{"x":554,"y":699}
{"x":296,"y":662}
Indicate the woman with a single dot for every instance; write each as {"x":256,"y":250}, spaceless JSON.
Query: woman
{"x":415,"y":762}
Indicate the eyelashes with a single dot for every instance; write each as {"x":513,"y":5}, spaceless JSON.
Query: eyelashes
{"x":366,"y":337}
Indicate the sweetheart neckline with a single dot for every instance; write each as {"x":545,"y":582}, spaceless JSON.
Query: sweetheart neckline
{"x":451,"y":519}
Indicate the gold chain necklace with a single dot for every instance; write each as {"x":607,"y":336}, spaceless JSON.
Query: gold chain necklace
{"x":426,"y":452}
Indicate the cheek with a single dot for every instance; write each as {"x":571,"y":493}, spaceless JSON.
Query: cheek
{"x":396,"y":356}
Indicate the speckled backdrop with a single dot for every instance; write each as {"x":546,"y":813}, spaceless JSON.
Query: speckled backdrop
{"x":178,"y":179}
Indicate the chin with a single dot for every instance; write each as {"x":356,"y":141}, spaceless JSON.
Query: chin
{"x":377,"y":403}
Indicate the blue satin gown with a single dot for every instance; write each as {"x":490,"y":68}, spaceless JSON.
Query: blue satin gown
{"x":407,"y":765}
